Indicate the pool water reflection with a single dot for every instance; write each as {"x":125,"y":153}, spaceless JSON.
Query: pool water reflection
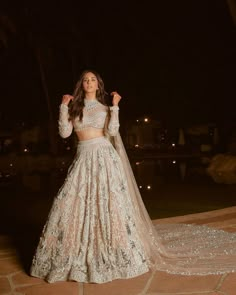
{"x":169,"y":187}
{"x":148,"y":171}
{"x":179,"y":186}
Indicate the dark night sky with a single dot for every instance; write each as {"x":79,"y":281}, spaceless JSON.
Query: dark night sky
{"x":175,"y":61}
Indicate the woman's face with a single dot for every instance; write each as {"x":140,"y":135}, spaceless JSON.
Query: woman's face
{"x":90,"y":83}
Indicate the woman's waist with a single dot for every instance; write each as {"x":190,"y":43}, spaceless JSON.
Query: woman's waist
{"x":89,"y":133}
{"x":93,"y":141}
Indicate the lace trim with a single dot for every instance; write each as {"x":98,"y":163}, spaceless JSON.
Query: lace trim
{"x":114,"y":108}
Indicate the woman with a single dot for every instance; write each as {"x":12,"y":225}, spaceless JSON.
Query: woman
{"x":98,"y":228}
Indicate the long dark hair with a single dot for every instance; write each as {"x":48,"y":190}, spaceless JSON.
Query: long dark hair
{"x":77,"y":105}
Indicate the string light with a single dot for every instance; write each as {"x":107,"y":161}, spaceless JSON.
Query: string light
{"x":145,"y":119}
{"x":149,"y":187}
{"x":136,"y":145}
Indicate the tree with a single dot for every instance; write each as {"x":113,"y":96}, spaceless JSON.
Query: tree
{"x":232,"y":9}
{"x":7,"y":27}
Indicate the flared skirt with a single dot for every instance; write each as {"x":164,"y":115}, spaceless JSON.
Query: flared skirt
{"x":90,"y":234}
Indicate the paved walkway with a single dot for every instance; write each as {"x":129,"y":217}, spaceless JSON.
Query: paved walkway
{"x":13,"y":279}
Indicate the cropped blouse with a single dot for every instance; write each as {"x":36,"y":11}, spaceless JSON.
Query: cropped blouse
{"x":95,"y":115}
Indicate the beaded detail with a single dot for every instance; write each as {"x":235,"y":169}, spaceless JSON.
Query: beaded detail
{"x":90,"y":103}
{"x":91,"y":234}
{"x":98,"y":230}
{"x":95,"y":115}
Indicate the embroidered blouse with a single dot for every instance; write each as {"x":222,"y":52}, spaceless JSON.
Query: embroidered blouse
{"x":95,"y":115}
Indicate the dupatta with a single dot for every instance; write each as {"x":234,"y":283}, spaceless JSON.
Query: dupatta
{"x":186,"y":249}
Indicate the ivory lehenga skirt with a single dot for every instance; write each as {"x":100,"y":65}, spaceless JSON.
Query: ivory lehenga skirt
{"x":90,"y":234}
{"x":99,"y":230}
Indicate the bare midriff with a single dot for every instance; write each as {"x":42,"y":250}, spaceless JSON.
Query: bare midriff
{"x":89,"y":133}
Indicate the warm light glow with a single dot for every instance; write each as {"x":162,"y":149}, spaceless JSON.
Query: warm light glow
{"x":145,"y":119}
{"x":11,"y":164}
{"x":68,"y":148}
{"x":174,"y":162}
{"x":136,"y":145}
{"x":173,"y":144}
{"x":140,"y":186}
{"x":26,"y":150}
{"x":137,"y":163}
{"x":149,"y":187}
{"x":137,"y":120}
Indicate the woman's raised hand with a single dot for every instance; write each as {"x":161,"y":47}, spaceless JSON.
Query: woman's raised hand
{"x":67,"y":98}
{"x":116,"y":98}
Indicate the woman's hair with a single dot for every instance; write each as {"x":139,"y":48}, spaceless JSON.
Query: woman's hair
{"x":77,"y":105}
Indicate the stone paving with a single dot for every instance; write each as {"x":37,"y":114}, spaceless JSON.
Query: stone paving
{"x":14,"y":280}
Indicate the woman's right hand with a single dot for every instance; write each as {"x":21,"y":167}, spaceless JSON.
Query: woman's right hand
{"x":66,"y":99}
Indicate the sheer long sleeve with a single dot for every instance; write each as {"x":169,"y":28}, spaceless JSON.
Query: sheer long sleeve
{"x":113,"y":124}
{"x":65,"y":126}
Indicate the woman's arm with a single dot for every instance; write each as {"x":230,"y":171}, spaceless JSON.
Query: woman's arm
{"x":113,"y":124}
{"x":65,"y":126}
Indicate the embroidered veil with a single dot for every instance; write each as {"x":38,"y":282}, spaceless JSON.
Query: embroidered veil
{"x":179,"y":248}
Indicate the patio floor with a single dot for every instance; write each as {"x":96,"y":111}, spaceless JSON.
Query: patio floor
{"x":14,"y":280}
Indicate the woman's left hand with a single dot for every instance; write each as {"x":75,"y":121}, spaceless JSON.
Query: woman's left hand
{"x":116,"y":98}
